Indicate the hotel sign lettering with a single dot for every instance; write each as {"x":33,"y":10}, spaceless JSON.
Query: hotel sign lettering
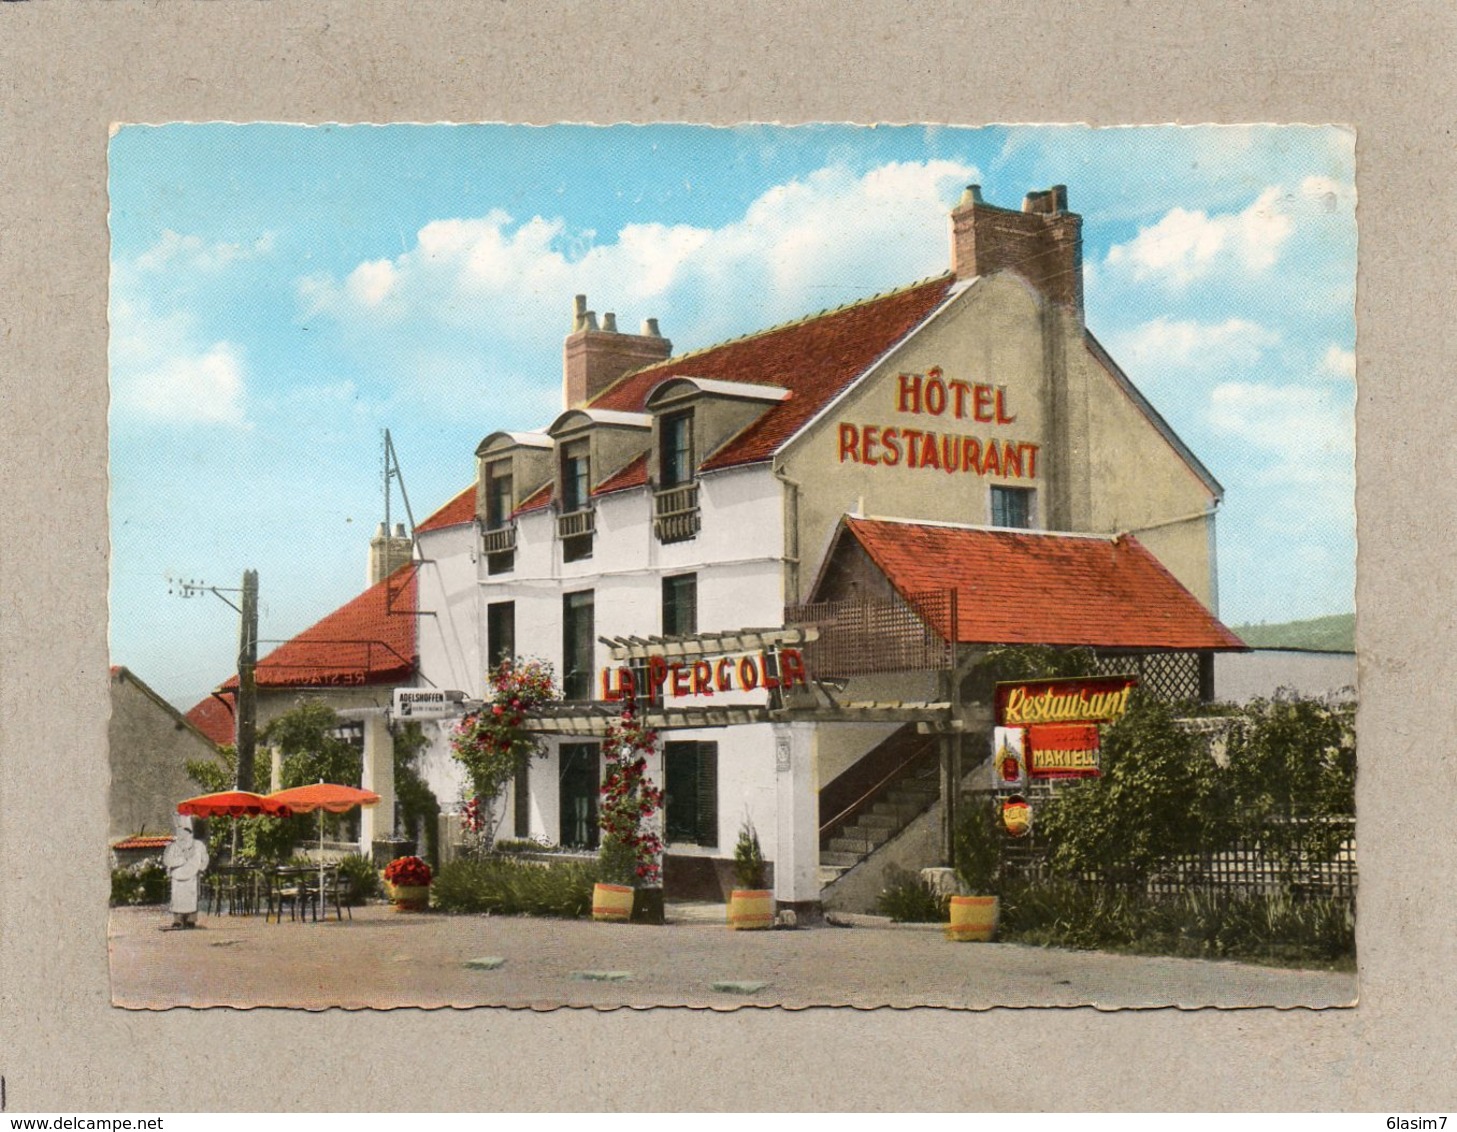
{"x":932,"y":394}
{"x":1060,"y":719}
{"x":781,"y":668}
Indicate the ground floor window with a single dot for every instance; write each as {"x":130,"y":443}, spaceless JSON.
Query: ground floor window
{"x":580,"y":776}
{"x":690,"y":788}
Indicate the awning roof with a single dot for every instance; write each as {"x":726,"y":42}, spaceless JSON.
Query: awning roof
{"x":1025,"y":587}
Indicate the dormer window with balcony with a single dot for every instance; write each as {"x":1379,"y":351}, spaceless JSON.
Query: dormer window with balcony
{"x":576,"y":520}
{"x":694,"y":418}
{"x":498,"y":540}
{"x":675,"y":504}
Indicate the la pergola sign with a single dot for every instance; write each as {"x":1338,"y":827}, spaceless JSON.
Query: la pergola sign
{"x":780,"y":668}
{"x":945,"y":401}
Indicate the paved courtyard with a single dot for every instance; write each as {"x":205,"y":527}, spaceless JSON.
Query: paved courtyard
{"x":385,"y":959}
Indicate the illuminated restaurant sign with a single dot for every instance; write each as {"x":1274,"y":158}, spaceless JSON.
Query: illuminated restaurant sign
{"x":1060,"y":721}
{"x":781,"y":668}
{"x":931,"y":394}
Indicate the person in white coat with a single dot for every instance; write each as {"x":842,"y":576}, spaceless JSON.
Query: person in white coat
{"x":185,"y":861}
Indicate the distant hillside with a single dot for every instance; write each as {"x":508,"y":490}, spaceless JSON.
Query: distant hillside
{"x":1322,"y":634}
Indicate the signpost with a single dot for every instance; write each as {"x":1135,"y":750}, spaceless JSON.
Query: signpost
{"x":427,"y":703}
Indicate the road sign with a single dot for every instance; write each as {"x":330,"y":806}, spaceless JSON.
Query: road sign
{"x":427,"y":703}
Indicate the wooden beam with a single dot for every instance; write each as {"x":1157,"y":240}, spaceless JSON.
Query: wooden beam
{"x":707,"y":644}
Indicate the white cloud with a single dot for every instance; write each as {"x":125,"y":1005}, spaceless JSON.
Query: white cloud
{"x":1163,"y":344}
{"x":833,"y":236}
{"x":1187,"y":245}
{"x":202,"y":388}
{"x":175,"y":250}
{"x":1285,"y":418}
{"x":1338,"y":364}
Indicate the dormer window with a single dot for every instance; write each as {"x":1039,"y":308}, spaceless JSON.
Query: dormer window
{"x":677,"y":450}
{"x":575,"y":523}
{"x":499,"y":537}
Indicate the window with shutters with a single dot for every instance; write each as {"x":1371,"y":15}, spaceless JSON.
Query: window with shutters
{"x":500,"y":633}
{"x":521,"y":799}
{"x":578,"y":645}
{"x":675,"y":503}
{"x":580,"y":767}
{"x":690,"y":793}
{"x":680,"y":605}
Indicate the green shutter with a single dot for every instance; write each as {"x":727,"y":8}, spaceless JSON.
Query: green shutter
{"x":708,"y":794}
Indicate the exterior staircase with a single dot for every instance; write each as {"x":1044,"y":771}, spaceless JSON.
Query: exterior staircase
{"x":875,"y":799}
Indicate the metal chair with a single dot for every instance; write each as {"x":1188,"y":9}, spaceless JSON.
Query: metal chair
{"x":285,"y":886}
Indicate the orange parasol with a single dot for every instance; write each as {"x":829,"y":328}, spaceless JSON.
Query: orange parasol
{"x":322,"y":796}
{"x":232,"y":804}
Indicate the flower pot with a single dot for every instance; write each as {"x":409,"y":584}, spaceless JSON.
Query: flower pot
{"x":612,"y":903}
{"x":973,"y":918}
{"x":410,"y":897}
{"x":751,"y":909}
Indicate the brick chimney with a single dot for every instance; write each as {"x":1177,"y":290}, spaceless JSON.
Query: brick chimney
{"x":387,"y":553}
{"x":1043,"y":243}
{"x":593,"y":359}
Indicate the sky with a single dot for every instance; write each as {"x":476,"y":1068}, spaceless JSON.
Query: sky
{"x":281,"y":295}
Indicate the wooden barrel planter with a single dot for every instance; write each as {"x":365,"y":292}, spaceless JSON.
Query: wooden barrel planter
{"x":410,"y":897}
{"x":750,"y":909}
{"x":973,"y":919}
{"x":612,"y":903}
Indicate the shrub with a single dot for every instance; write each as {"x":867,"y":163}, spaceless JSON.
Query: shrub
{"x":507,"y":886}
{"x":748,"y":857}
{"x":908,"y":899}
{"x":360,"y":877}
{"x":142,"y":883}
{"x":1271,"y":927}
{"x":979,"y":848}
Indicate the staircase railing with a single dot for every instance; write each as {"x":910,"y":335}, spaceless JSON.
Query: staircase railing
{"x":856,"y":775}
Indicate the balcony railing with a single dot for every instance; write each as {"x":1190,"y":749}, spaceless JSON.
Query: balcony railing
{"x":675,"y":513}
{"x":575,"y":523}
{"x":499,"y":540}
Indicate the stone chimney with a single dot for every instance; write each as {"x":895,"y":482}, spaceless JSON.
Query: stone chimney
{"x":593,"y":359}
{"x":387,"y":553}
{"x":1043,"y":243}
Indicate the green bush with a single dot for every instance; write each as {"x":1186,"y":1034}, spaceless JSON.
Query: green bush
{"x":1273,"y":928}
{"x":908,"y":899}
{"x":362,"y":878}
{"x":507,"y":886}
{"x":142,"y":883}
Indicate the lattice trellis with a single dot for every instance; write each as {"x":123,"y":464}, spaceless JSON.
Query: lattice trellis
{"x":1173,"y":677}
{"x":859,"y":637}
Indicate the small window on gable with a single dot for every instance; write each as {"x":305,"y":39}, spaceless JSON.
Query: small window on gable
{"x":1012,"y":507}
{"x":499,"y":536}
{"x":577,"y":521}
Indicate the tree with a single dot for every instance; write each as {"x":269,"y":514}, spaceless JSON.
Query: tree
{"x":1158,"y":797}
{"x":417,"y":802}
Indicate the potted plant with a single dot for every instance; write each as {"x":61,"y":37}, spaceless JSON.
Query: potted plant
{"x":631,"y":856}
{"x":979,"y":867}
{"x":751,"y":905}
{"x":409,"y":881}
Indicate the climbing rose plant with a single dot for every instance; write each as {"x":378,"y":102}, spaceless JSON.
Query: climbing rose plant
{"x":630,"y":801}
{"x":493,"y":742}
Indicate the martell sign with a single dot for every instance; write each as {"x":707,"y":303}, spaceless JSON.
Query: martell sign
{"x":1060,"y":719}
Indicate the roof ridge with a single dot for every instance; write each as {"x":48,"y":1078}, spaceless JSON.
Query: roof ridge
{"x":947,"y":523}
{"x":775,"y":329}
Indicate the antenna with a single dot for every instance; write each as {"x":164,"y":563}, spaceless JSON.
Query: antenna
{"x":392,"y":471}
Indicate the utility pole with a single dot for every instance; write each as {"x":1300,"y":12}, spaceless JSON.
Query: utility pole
{"x":247,"y":721}
{"x":246,"y":717}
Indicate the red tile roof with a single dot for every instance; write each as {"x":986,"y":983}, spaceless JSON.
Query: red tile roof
{"x":815,"y":359}
{"x":370,"y":640}
{"x":634,"y":475}
{"x":461,"y":509}
{"x":144,"y":841}
{"x":538,"y":500}
{"x":1034,"y":588}
{"x":214,"y":718}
